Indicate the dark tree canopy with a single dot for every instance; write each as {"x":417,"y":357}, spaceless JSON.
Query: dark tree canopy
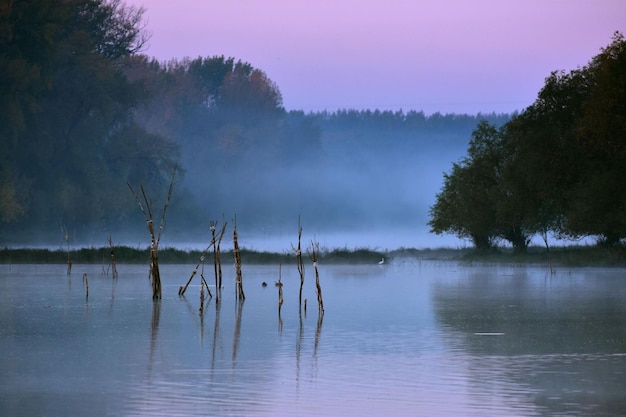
{"x":82,"y":113}
{"x":66,"y":103}
{"x":560,"y":167}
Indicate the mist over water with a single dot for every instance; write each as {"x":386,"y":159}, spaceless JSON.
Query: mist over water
{"x":366,"y":191}
{"x":358,"y":180}
{"x":377,"y":239}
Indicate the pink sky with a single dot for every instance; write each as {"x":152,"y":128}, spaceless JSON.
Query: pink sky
{"x":451,"y":56}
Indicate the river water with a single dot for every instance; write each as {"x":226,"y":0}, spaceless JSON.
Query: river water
{"x":406,"y":338}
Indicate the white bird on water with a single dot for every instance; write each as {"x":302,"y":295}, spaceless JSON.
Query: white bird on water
{"x":382,"y":261}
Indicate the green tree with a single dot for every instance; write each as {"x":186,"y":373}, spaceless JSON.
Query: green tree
{"x":481,"y":197}
{"x":29,"y":35}
{"x":598,"y":204}
{"x":462,"y":209}
{"x":74,"y":104}
{"x":465,"y":206}
{"x":567,"y":149}
{"x":29,"y":31}
{"x":542,"y":162}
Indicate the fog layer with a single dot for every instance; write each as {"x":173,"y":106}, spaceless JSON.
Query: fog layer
{"x":357,"y":186}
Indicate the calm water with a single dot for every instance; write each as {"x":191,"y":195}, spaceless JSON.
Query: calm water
{"x":403,"y":339}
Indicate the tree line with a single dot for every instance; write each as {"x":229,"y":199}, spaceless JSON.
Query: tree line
{"x":67,"y":130}
{"x":83,"y":111}
{"x":557,"y":168}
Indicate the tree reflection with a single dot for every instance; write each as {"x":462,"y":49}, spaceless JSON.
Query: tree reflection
{"x":216,"y":331}
{"x":237,"y":333}
{"x":154,"y":331}
{"x":558,"y":338}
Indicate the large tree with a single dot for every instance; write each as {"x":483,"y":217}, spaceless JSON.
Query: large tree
{"x":234,"y":133}
{"x":556,"y":167}
{"x":29,"y":32}
{"x":598,"y":205}
{"x":67,"y":103}
{"x":568,"y":148}
{"x":465,"y":206}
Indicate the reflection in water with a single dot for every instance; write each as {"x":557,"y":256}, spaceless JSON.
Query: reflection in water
{"x":279,"y":285}
{"x":237,"y":333}
{"x":216,"y":332}
{"x":417,"y":339}
{"x":558,"y":338}
{"x":299,"y":340}
{"x":202,"y":328}
{"x":318,"y":338}
{"x":154,"y":332}
{"x":113,"y":286}
{"x":318,"y":332}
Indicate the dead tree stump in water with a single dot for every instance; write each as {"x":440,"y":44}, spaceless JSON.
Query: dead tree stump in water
{"x":113,"y":264}
{"x":69,"y":259}
{"x":219,"y":251}
{"x":298,"y":251}
{"x":314,"y":255}
{"x":279,"y":284}
{"x":181,"y":290}
{"x":155,"y":239}
{"x":216,"y":239}
{"x":238,"y":276}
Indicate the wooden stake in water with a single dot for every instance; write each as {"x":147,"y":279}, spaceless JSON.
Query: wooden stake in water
{"x":113,"y":265}
{"x":201,"y":298}
{"x":219,"y":252}
{"x":298,"y":251}
{"x":238,"y":277}
{"x":69,"y":260}
{"x":202,"y":258}
{"x":181,"y":290}
{"x":86,"y":281}
{"x":314,"y":255}
{"x":213,"y":223}
{"x":279,"y":284}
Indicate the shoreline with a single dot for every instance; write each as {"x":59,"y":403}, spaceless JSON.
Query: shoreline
{"x":536,"y":255}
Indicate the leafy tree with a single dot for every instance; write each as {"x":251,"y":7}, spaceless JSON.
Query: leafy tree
{"x":462,"y":211}
{"x":568,"y":149}
{"x":542,"y":163}
{"x":66,"y":112}
{"x":481,"y":198}
{"x":465,"y":206}
{"x":556,"y":167}
{"x":29,"y":31}
{"x":598,"y":204}
{"x":228,"y":119}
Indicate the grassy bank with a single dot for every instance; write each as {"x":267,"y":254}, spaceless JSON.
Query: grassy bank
{"x":568,"y":255}
{"x":130,"y":255}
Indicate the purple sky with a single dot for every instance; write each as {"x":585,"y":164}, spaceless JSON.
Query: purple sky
{"x":451,"y":56}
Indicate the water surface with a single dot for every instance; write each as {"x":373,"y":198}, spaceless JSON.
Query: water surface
{"x":406,"y":338}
